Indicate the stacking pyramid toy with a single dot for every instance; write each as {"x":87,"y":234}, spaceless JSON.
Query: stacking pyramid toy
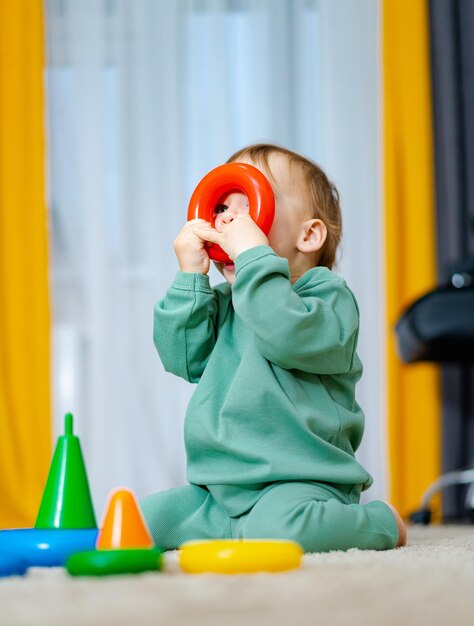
{"x":66,"y":521}
{"x":67,"y":501}
{"x":124,"y":545}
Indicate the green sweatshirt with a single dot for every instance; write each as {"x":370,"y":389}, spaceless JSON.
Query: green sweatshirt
{"x":276,"y":367}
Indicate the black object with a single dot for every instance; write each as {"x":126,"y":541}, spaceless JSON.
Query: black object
{"x":439,"y":327}
{"x":452,"y":81}
{"x":422,"y":516}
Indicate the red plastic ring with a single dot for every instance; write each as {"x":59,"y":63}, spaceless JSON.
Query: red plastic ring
{"x":223,"y":180}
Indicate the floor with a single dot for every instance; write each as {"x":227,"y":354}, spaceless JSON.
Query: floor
{"x":430,"y":581}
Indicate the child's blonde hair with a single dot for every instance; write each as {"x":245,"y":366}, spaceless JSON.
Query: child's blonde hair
{"x":323,"y":195}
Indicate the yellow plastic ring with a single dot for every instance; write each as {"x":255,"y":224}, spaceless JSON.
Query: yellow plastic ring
{"x":241,"y":556}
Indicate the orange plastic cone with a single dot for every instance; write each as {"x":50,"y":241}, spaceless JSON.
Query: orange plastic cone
{"x":123,"y":525}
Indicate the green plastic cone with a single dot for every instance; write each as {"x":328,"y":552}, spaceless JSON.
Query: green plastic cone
{"x":67,"y":501}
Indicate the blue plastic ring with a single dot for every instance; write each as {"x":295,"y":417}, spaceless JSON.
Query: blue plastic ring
{"x":12,"y":565}
{"x":39,"y":547}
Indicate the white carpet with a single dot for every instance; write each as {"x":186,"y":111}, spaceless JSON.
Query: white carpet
{"x":430,"y":581}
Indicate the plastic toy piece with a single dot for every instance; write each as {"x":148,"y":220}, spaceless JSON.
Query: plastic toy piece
{"x":66,"y":521}
{"x":123,"y":525}
{"x":12,"y":565}
{"x":226,"y":179}
{"x":37,"y":547}
{"x":239,"y":556}
{"x":67,"y":501}
{"x":124,"y":544}
{"x":109,"y":562}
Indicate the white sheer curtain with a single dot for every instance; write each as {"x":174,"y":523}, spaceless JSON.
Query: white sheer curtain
{"x":144,"y":97}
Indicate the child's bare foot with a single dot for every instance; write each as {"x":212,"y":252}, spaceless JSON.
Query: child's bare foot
{"x":402,"y":529}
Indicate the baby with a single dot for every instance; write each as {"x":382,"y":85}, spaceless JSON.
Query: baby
{"x":273,"y":425}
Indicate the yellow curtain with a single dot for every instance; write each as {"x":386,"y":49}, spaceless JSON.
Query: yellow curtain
{"x":413,"y":390}
{"x":25,"y":412}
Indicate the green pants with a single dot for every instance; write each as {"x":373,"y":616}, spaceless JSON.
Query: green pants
{"x":302,"y":511}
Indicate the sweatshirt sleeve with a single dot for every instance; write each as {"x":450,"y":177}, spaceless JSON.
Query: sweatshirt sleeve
{"x":184,"y":325}
{"x":312,"y":331}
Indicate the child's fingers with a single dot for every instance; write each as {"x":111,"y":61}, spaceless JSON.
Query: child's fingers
{"x":187,"y":232}
{"x":207,"y":234}
{"x":197,"y":221}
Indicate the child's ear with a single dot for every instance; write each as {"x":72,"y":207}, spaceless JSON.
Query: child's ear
{"x":312,"y":236}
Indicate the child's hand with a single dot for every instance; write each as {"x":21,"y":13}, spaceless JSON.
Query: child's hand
{"x":241,"y":234}
{"x":190,"y":249}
